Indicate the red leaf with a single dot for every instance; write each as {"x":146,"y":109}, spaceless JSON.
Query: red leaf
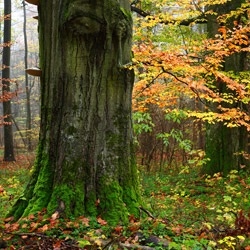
{"x":97,"y":202}
{"x":57,"y":246}
{"x":118,"y":229}
{"x":67,"y":232}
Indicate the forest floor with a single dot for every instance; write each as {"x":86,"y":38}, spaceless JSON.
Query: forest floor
{"x":182,"y":210}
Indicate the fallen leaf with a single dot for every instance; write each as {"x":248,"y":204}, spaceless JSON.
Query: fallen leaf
{"x":102,"y":222}
{"x":24,"y":225}
{"x":31,"y":217}
{"x":55,"y":215}
{"x":45,"y":228}
{"x":97,"y":202}
{"x":9,"y":219}
{"x":85,"y":221}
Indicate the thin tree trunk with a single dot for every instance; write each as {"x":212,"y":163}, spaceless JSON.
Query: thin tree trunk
{"x":86,"y":150}
{"x":27,"y":89}
{"x":8,"y":133}
{"x":18,"y":129}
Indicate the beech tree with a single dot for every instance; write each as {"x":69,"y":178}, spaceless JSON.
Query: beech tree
{"x":224,"y":145}
{"x":8,"y":133}
{"x":213,"y":70}
{"x":85,"y":160}
{"x":27,"y":89}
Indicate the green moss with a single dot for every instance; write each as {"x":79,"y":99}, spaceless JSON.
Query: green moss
{"x":66,"y":14}
{"x":131,"y":198}
{"x":90,"y":204}
{"x":68,"y":193}
{"x":127,"y":14}
{"x":43,"y":186}
{"x":20,"y":207}
{"x":48,"y":121}
{"x":131,"y":192}
{"x":68,"y":200}
{"x":111,"y":204}
{"x":126,"y":191}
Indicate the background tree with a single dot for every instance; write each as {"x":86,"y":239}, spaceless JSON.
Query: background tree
{"x":8,"y":134}
{"x":27,"y":89}
{"x":225,"y":145}
{"x":174,"y":59}
{"x":85,"y":151}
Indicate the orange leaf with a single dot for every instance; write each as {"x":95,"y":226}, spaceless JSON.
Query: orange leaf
{"x":31,"y":217}
{"x":85,"y":221}
{"x":9,"y":219}
{"x":201,"y":236}
{"x":102,"y":222}
{"x":45,"y":228}
{"x":24,"y":225}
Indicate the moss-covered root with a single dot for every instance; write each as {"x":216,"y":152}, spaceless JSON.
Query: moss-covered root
{"x":116,"y":203}
{"x":67,"y":200}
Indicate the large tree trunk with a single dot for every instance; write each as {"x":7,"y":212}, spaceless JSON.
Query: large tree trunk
{"x":86,"y":149}
{"x":224,"y":144}
{"x":8,"y":133}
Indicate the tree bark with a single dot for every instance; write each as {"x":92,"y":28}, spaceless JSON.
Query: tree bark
{"x":224,"y":144}
{"x":8,"y":133}
{"x":86,"y":151}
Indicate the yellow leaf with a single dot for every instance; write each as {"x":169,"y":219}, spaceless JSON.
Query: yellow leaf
{"x":98,"y":242}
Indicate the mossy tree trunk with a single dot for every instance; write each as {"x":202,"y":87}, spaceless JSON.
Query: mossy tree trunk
{"x":223,"y":144}
{"x":86,"y":148}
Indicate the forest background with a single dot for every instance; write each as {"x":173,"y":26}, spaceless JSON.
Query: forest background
{"x":191,"y":123}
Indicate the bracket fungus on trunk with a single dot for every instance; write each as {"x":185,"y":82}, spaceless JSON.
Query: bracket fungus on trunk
{"x":35,"y":2}
{"x":35,"y":17}
{"x":35,"y":71}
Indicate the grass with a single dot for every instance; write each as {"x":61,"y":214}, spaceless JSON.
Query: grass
{"x":202,"y":211}
{"x":14,"y":177}
{"x":189,"y":210}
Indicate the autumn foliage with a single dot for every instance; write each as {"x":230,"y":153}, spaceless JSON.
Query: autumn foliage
{"x":192,"y":65}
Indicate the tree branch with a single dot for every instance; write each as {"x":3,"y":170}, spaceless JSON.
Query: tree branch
{"x":147,"y":212}
{"x":199,"y":19}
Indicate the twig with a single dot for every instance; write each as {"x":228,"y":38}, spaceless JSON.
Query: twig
{"x":178,"y":79}
{"x":133,"y":246}
{"x":147,"y":212}
{"x":149,"y":84}
{"x":103,"y":243}
{"x":199,"y":19}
